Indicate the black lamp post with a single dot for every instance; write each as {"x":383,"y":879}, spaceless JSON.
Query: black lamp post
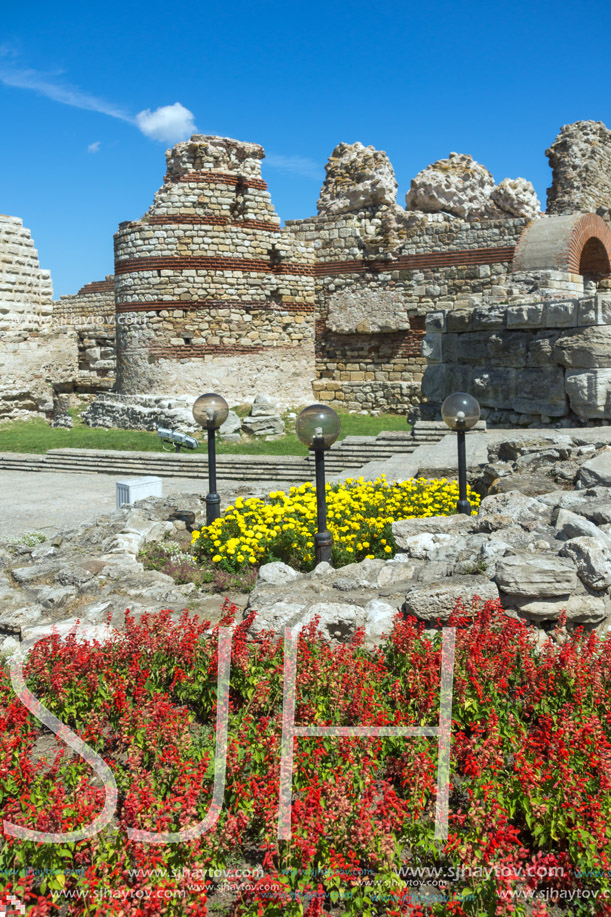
{"x":318,"y":427}
{"x":461,"y":412}
{"x":210,"y":411}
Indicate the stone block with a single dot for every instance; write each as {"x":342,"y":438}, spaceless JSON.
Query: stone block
{"x":434,"y":382}
{"x":589,"y":392}
{"x":540,"y":349}
{"x":485,"y":318}
{"x":431,"y":348}
{"x":449,"y":347}
{"x":460,"y":320}
{"x":508,"y":348}
{"x":584,"y":348}
{"x":435,"y":322}
{"x":525,"y":315}
{"x":540,"y":390}
{"x":494,"y":388}
{"x":535,"y":576}
{"x":594,"y":310}
{"x":561,"y":314}
{"x":472,"y":348}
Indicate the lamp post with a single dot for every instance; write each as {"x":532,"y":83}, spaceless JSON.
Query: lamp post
{"x":210,"y":411}
{"x":318,"y":427}
{"x":461,"y":412}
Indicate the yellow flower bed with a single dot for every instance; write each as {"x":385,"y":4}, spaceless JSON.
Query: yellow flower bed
{"x":359,"y":514}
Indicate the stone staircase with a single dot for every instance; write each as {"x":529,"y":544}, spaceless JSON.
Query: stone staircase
{"x":351,"y":453}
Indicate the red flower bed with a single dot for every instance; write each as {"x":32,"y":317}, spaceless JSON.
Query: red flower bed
{"x":529,"y":797}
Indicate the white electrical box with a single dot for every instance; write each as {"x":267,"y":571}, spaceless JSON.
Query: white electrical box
{"x":138,"y":489}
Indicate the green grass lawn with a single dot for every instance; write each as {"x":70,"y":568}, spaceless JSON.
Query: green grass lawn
{"x":36,"y":436}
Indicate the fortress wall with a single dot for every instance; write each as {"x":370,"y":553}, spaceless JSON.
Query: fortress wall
{"x":89,"y":315}
{"x":208,"y":291}
{"x":394,"y":266}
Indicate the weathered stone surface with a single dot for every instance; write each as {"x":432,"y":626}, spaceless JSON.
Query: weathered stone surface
{"x":277,"y":574}
{"x":357,"y":177}
{"x":514,"y":507}
{"x":437,"y":600}
{"x":584,"y":348}
{"x":457,"y":185}
{"x":580,"y":158}
{"x":572,"y":525}
{"x":592,"y":560}
{"x":231,"y":425}
{"x":516,"y":197}
{"x":262,"y":406}
{"x":580,"y":609}
{"x":589,"y":392}
{"x":267,"y":425}
{"x":367,"y":312}
{"x":540,"y":391}
{"x":596,"y":471}
{"x":530,"y":576}
{"x":406,"y":529}
{"x":528,"y":484}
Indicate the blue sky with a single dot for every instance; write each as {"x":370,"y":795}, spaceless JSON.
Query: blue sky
{"x":81,"y":84}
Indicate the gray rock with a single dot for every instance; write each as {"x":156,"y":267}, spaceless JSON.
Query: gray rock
{"x":427,"y":545}
{"x":580,"y":609}
{"x":232,"y":425}
{"x":571,"y":525}
{"x":261,"y":407}
{"x":529,"y":576}
{"x":55,"y":596}
{"x":531,"y":485}
{"x":596,"y":512}
{"x":584,"y":348}
{"x":338,"y":621}
{"x":277,"y":574}
{"x":268,"y":425}
{"x":358,"y":576}
{"x":405,"y":529}
{"x":25,"y":616}
{"x":25,"y":575}
{"x":436,"y":600}
{"x":379,"y":618}
{"x":502,"y":510}
{"x":596,"y":471}
{"x":357,"y":177}
{"x":589,"y":392}
{"x":592,"y":561}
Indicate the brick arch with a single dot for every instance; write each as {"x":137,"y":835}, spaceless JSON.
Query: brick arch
{"x":577,"y":243}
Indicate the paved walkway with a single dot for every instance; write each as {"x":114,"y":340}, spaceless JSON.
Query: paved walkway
{"x":49,"y":501}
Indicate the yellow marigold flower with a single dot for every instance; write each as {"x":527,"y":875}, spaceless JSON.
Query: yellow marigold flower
{"x":216,"y":558}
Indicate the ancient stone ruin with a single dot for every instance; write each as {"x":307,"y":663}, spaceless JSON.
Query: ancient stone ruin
{"x":367,"y":305}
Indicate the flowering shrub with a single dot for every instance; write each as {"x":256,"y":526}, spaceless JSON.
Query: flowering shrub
{"x":529,"y":797}
{"x":359,"y":515}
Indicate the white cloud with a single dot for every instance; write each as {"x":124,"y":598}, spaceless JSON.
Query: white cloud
{"x":169,"y":123}
{"x":299,"y":165}
{"x":94,"y":147}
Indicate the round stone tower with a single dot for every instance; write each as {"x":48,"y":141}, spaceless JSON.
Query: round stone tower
{"x":210,"y":292}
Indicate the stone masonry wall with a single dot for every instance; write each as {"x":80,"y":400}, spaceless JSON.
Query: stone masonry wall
{"x":90,"y":316}
{"x":542,"y":358}
{"x":32,"y":355}
{"x":379,"y":270}
{"x":209,"y":291}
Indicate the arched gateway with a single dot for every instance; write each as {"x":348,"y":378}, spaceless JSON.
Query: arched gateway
{"x":578,"y":243}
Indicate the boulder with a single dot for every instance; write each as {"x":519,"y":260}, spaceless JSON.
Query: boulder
{"x":405,"y":529}
{"x":277,"y":574}
{"x":531,"y":576}
{"x":357,"y":177}
{"x":572,"y":525}
{"x":437,"y":600}
{"x":512,"y":508}
{"x":262,"y":406}
{"x":580,"y":609}
{"x":592,"y":559}
{"x":596,"y":471}
{"x":528,"y":484}
{"x":266,"y":425}
{"x":232,"y":425}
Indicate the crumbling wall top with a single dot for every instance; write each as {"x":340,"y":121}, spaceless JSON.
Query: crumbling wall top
{"x":203,"y":153}
{"x":358,"y":177}
{"x":580,"y":158}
